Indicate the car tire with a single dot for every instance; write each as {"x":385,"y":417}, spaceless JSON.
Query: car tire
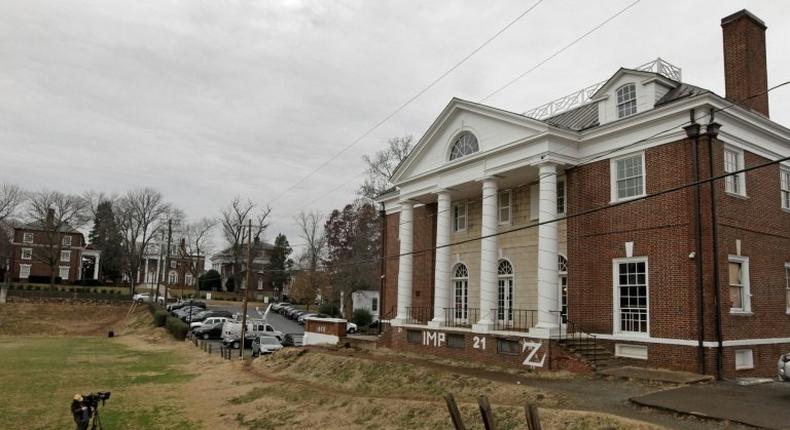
{"x":205,"y":336}
{"x":139,"y":301}
{"x":236,"y":345}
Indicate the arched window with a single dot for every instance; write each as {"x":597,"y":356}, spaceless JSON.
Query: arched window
{"x":562,"y":269}
{"x":626,"y":100}
{"x":461,"y":284}
{"x":505,"y":293}
{"x":172,"y":277}
{"x":188,"y":279}
{"x":464,"y":145}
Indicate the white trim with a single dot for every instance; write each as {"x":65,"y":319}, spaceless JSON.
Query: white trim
{"x":66,"y":240}
{"x":26,"y":235}
{"x":745,"y":285}
{"x":784,"y":176}
{"x":65,"y":260}
{"x":25,"y":267}
{"x":28,"y":251}
{"x":692,"y":342}
{"x":616,"y":296}
{"x":747,"y":362}
{"x":60,"y":272}
{"x":739,"y":165}
{"x":613,"y":176}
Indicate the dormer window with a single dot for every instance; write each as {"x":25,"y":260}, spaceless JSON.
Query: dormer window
{"x":464,"y":145}
{"x":626,"y":100}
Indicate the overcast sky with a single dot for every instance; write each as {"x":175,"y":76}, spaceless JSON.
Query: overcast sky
{"x":204,"y":100}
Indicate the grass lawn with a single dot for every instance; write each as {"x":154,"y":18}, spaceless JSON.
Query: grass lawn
{"x":40,"y":375}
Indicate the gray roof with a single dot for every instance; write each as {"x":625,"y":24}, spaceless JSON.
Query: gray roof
{"x":39,"y":226}
{"x":680,"y":92}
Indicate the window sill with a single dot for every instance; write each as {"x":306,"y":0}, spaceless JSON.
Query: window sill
{"x":736,"y":195}
{"x":786,"y":210}
{"x":744,"y":368}
{"x":627,"y":199}
{"x":741,"y":313}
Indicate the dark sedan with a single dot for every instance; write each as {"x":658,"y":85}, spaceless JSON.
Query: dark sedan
{"x":235,"y":341}
{"x":210,"y":331}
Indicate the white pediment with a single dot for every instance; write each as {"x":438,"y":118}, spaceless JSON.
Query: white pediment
{"x":649,"y":87}
{"x":493,"y":128}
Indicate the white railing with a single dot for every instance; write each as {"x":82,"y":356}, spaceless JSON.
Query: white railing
{"x":580,"y":97}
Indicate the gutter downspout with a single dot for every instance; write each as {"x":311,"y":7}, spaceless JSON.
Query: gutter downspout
{"x":383,"y":277}
{"x":692,"y":131}
{"x":712,"y":131}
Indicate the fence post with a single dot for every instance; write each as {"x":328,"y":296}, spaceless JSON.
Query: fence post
{"x":486,"y":413}
{"x":533,"y":420}
{"x":455,"y":414}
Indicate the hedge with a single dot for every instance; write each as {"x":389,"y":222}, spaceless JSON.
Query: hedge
{"x":177,"y":328}
{"x":160,"y":317}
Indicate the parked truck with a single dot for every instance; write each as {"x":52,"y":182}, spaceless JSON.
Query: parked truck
{"x":254,"y":327}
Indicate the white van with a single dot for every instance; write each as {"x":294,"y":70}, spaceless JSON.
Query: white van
{"x":208,"y":321}
{"x":254,"y":327}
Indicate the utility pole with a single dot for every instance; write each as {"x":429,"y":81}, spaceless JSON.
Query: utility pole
{"x":169,"y":239}
{"x":159,"y":270}
{"x":246,"y":289}
{"x":7,"y":278}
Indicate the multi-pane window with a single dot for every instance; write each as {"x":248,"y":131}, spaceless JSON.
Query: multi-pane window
{"x":374,"y":304}
{"x":65,"y":256}
{"x":562,"y":270}
{"x":784,"y":176}
{"x":632,"y":291}
{"x":459,"y":216}
{"x":24,"y":271}
{"x":560,"y":197}
{"x":464,"y":145}
{"x":733,"y":162}
{"x":27,"y":237}
{"x":260,"y":284}
{"x":787,"y":286}
{"x":172,"y":277}
{"x":188,"y":279}
{"x":66,"y":240}
{"x":738,"y":277}
{"x":63,"y":272}
{"x":461,"y":283}
{"x":626,"y":100}
{"x":504,"y":308}
{"x":27,"y":253}
{"x":173,"y":264}
{"x":629,"y":177}
{"x":505,"y":207}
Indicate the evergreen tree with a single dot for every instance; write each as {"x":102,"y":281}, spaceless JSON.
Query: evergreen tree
{"x":280,"y":263}
{"x":106,"y":237}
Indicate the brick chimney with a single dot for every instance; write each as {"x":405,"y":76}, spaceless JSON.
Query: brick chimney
{"x":50,"y":221}
{"x":745,"y":71}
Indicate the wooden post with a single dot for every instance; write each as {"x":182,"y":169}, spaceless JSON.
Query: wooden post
{"x":455,"y":414}
{"x":533,"y":419}
{"x":246,"y":290}
{"x":486,"y":413}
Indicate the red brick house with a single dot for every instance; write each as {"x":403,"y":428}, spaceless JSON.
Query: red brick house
{"x":511,"y":232}
{"x":31,"y":241}
{"x":223,"y":262}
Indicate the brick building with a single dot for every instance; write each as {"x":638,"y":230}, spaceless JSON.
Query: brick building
{"x":223,"y":262}
{"x":32,"y":246}
{"x":513,"y":231}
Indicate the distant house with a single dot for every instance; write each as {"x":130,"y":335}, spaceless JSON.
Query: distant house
{"x":33,"y":239}
{"x":180,"y":270}
{"x":223,"y":262}
{"x":366,"y":299}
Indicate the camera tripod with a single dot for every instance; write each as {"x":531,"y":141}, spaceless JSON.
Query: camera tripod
{"x":96,"y":420}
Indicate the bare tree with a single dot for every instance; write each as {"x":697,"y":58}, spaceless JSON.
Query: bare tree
{"x":56,"y":215}
{"x":382,"y":165}
{"x":197,"y":242}
{"x":142,"y":214}
{"x":94,"y":198}
{"x":234,"y":220}
{"x":11,"y":196}
{"x":311,"y":230}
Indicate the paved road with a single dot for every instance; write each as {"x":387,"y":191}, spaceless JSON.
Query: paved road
{"x":763,"y":405}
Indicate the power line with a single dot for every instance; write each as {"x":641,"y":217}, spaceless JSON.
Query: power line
{"x":410,"y":100}
{"x":563,"y":49}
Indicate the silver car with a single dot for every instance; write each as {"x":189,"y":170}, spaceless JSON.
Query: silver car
{"x":783,"y":367}
{"x":265,"y":345}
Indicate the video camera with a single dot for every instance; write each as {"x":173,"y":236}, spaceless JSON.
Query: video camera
{"x":92,"y":399}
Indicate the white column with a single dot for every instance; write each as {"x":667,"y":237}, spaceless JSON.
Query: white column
{"x":442,"y":294}
{"x":548,"y":292}
{"x":405,"y":235}
{"x":96,"y":267}
{"x":488,"y":256}
{"x":145,"y":273}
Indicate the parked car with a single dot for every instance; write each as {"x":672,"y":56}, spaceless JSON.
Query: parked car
{"x":783,"y":368}
{"x":277,"y":306}
{"x":213,"y":313}
{"x":301,"y":318}
{"x":293,"y":339}
{"x":208,"y":321}
{"x":265,"y":345}
{"x":351,"y":327}
{"x":185,"y":311}
{"x":235,"y":341}
{"x":209,"y":331}
{"x":184,"y":303}
{"x":147,"y":298}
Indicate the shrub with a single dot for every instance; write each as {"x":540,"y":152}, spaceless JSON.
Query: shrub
{"x":160,"y":317}
{"x":362,"y":318}
{"x":176,"y":327}
{"x":330,"y":309}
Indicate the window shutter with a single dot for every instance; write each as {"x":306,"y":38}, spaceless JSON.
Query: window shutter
{"x":533,"y":201}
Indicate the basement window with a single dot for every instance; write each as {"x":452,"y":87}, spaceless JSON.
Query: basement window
{"x":507,"y":346}
{"x":744,"y":359}
{"x":414,"y":336}
{"x":455,"y":340}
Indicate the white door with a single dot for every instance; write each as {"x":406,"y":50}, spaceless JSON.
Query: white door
{"x":505,"y":301}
